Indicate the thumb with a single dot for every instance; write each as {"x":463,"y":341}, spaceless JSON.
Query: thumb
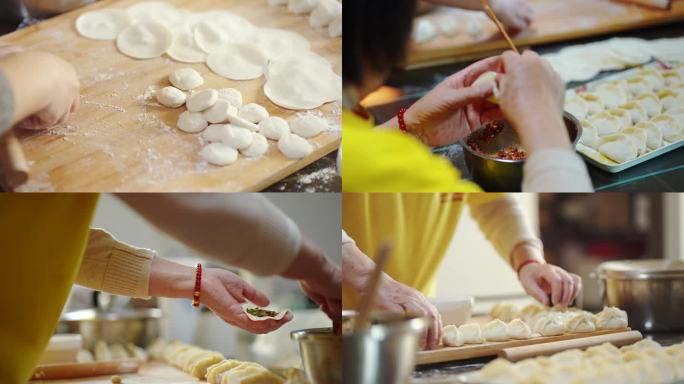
{"x":531,"y":287}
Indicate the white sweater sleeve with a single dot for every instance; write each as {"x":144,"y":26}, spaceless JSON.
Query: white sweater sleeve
{"x":555,"y":170}
{"x":242,"y":230}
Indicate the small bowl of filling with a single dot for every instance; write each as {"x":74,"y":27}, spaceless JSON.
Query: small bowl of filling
{"x":495,"y":157}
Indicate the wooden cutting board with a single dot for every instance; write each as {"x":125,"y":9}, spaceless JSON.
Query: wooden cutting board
{"x":149,"y":373}
{"x":118,"y":142}
{"x":554,"y":21}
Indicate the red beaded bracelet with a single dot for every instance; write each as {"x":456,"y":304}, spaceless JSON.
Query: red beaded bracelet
{"x":198,"y":286}
{"x":524,"y":263}
{"x":400,"y":119}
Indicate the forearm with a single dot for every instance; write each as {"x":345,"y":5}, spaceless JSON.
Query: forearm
{"x":541,"y":131}
{"x":169,"y":279}
{"x":356,"y":267}
{"x":555,"y":170}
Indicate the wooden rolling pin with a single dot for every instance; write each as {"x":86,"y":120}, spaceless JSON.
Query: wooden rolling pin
{"x":76,"y":370}
{"x":521,"y":353}
{"x":13,"y":162}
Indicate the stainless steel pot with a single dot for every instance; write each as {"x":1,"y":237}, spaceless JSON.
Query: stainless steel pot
{"x":384,"y":353}
{"x":138,"y":326}
{"x":321,"y":353}
{"x":494,"y":174}
{"x":650,"y":290}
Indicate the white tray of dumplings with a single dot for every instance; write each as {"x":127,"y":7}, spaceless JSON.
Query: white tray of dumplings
{"x":630,"y":117}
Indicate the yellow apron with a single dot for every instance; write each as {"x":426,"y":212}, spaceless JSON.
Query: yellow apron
{"x":42,"y":239}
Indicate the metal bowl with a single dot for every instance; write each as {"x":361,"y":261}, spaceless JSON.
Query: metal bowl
{"x":321,"y":351}
{"x":651,"y":291}
{"x":138,"y":326}
{"x":495,"y":174}
{"x":385,"y":352}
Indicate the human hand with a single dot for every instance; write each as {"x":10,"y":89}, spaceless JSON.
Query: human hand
{"x":540,"y":280}
{"x":8,"y":49}
{"x":515,"y":15}
{"x":454,"y":108}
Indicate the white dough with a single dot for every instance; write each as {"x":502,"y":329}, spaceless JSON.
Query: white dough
{"x":449,"y":27}
{"x":191,"y":122}
{"x":611,"y":95}
{"x":171,"y":97}
{"x":325,"y":13}
{"x":219,"y":28}
{"x":184,"y":48}
{"x":158,"y":11}
{"x":550,"y":325}
{"x":495,"y":330}
{"x":219,"y":112}
{"x":258,"y":147}
{"x":302,"y":83}
{"x":594,"y":103}
{"x":605,"y":123}
{"x":232,"y":95}
{"x":238,"y":62}
{"x":240,"y":122}
{"x":611,"y":318}
{"x":623,"y":116}
{"x":294,"y":147}
{"x":489,"y":78}
{"x":618,"y":147}
{"x":308,"y":125}
{"x":253,"y":112}
{"x":581,"y":322}
{"x":202,"y":100}
{"x":104,"y":24}
{"x":451,"y":337}
{"x":654,"y":137}
{"x":637,"y":113}
{"x":280,"y":43}
{"x":186,"y":79}
{"x":236,"y":137}
{"x":651,"y":103}
{"x":638,"y":137}
{"x":638,"y":85}
{"x":471,"y":333}
{"x":577,"y":107}
{"x":475,"y":27}
{"x":425,"y":31}
{"x":219,"y":154}
{"x":670,"y":99}
{"x":517,"y":329}
{"x":301,"y":6}
{"x":274,"y":127}
{"x":144,"y":40}
{"x":670,"y":128}
{"x":275,"y":3}
{"x":335,"y":27}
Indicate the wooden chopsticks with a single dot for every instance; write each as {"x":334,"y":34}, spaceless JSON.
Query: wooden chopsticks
{"x":361,"y":321}
{"x":490,"y":13}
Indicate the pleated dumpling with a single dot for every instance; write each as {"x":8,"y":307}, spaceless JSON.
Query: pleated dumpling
{"x":654,"y":137}
{"x":471,"y":333}
{"x":605,"y":123}
{"x":526,"y":313}
{"x":653,"y":77}
{"x":198,"y":367}
{"x":638,"y":137}
{"x":637,"y":113}
{"x":550,"y":325}
{"x":650,"y":102}
{"x":670,"y":99}
{"x":517,"y":329}
{"x":451,"y":336}
{"x":495,"y":330}
{"x":623,"y":116}
{"x":594,"y":103}
{"x":102,"y":351}
{"x":242,"y":372}
{"x":678,"y":89}
{"x":580,"y":322}
{"x":678,"y":114}
{"x":669,"y":126}
{"x":215,"y":373}
{"x":503,"y":311}
{"x":498,"y":368}
{"x":611,"y":318}
{"x":590,"y":138}
{"x":618,"y":147}
{"x":638,"y":85}
{"x":611,"y":94}
{"x":671,"y":77}
{"x":118,"y":351}
{"x":577,"y":107}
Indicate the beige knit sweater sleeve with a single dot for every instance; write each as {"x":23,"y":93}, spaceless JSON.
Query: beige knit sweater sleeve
{"x":112,"y":266}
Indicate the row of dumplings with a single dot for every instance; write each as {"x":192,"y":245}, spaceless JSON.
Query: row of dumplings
{"x":210,"y":365}
{"x":645,"y":361}
{"x":108,"y":352}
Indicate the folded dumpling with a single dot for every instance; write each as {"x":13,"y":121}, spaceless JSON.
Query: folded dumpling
{"x":669,"y":99}
{"x":638,"y":85}
{"x":471,"y":333}
{"x":638,"y":137}
{"x":650,"y":102}
{"x":671,"y":77}
{"x":594,"y":103}
{"x":678,"y":114}
{"x":495,"y":330}
{"x":605,"y":123}
{"x":263,"y":377}
{"x":669,"y":126}
{"x":550,"y":325}
{"x":215,"y":372}
{"x":451,"y":336}
{"x":197,"y":365}
{"x":568,"y":357}
{"x":580,"y":322}
{"x":653,"y":77}
{"x":528,"y":311}
{"x":637,"y":113}
{"x":497,"y":368}
{"x":136,"y":352}
{"x":517,"y":329}
{"x":654,"y":138}
{"x":611,"y":94}
{"x":623,"y":116}
{"x":241,"y":372}
{"x":577,"y":107}
{"x":590,"y":137}
{"x":503,"y":311}
{"x":611,"y":318}
{"x":605,"y":349}
{"x":156,"y":348}
{"x":618,"y":147}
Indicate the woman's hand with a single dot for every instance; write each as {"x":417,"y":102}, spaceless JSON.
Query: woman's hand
{"x":515,"y":15}
{"x":8,"y":49}
{"x":454,"y":108}
{"x":542,"y":280}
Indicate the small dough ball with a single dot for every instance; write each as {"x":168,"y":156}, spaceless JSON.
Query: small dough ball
{"x":254,"y":113}
{"x":236,"y":137}
{"x":232,"y":95}
{"x":301,"y":6}
{"x":116,"y":379}
{"x":171,"y":97}
{"x":294,"y":147}
{"x":258,"y":147}
{"x":451,"y":336}
{"x":471,"y":333}
{"x":202,"y":100}
{"x":274,"y":127}
{"x":219,"y":154}
{"x":241,"y":122}
{"x":308,"y":125}
{"x":186,"y":79}
{"x":219,"y":112}
{"x":191,"y":122}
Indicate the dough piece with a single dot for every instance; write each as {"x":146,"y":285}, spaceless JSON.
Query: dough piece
{"x":242,"y":123}
{"x":671,"y":77}
{"x":669,"y":99}
{"x":219,"y":112}
{"x":300,"y":83}
{"x":526,"y":313}
{"x":605,"y":349}
{"x":581,"y":322}
{"x":308,"y":125}
{"x":594,"y":103}
{"x":136,"y":352}
{"x":637,"y":113}
{"x":158,"y":11}
{"x":182,"y":359}
{"x":232,"y":95}
{"x":335,"y":28}
{"x":654,"y":137}
{"x":144,"y":40}
{"x":590,"y":136}
{"x":280,"y":43}
{"x":638,"y":85}
{"x":474,"y":27}
{"x":186,"y":79}
{"x":495,"y":330}
{"x":605,"y":123}
{"x":669,"y":126}
{"x":215,"y":372}
{"x":84,"y":356}
{"x":325,"y":13}
{"x":497,"y":369}
{"x":202,"y":100}
{"x":449,"y":27}
{"x":611,"y":95}
{"x":105,"y":24}
{"x":503,"y":311}
{"x":623,"y":116}
{"x":451,"y":337}
{"x":301,"y":6}
{"x":199,"y":367}
{"x":638,"y":137}
{"x":184,"y":47}
{"x":577,"y":65}
{"x":101,"y":351}
{"x":629,"y":51}
{"x":235,"y":137}
{"x":489,"y":77}
{"x":254,"y":113}
{"x":577,"y":107}
{"x":571,"y":357}
{"x":155,"y":349}
{"x":258,"y":147}
{"x":550,"y":325}
{"x":171,"y":97}
{"x":517,"y":329}
{"x":611,"y":318}
{"x":220,"y":28}
{"x":219,"y":154}
{"x":425,"y":31}
{"x":653,"y":77}
{"x":294,"y":147}
{"x":238,"y":62}
{"x":242,"y":373}
{"x":190,"y":363}
{"x":262,"y":377}
{"x":471,"y":333}
{"x":191,"y":122}
{"x":618,"y":147}
{"x":678,"y":114}
{"x":274,"y":127}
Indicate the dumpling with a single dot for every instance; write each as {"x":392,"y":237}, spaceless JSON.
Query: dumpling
{"x":496,"y":368}
{"x":605,"y":123}
{"x":136,"y":352}
{"x":568,"y":357}
{"x":651,"y":103}
{"x":637,"y":113}
{"x":671,"y":77}
{"x":605,"y":349}
{"x":589,"y":136}
{"x":262,"y":377}
{"x":451,"y":336}
{"x":495,"y":330}
{"x":618,"y":148}
{"x":101,"y":351}
{"x":611,"y":318}
{"x":215,"y":372}
{"x":653,"y":77}
{"x":678,"y":89}
{"x":669,"y":126}
{"x":638,"y":85}
{"x":642,"y":344}
{"x":577,"y":107}
{"x":489,"y":77}
{"x":118,"y":352}
{"x":594,"y":103}
{"x":156,"y":348}
{"x":580,"y":322}
{"x":503,"y":311}
{"x":678,"y":114}
{"x":242,"y":372}
{"x":550,"y":325}
{"x":526,"y":313}
{"x":198,"y":367}
{"x":669,"y":99}
{"x":623,"y":115}
{"x":471,"y":333}
{"x":638,"y":137}
{"x":181,"y":360}
{"x":654,"y":138}
{"x":517,"y":329}
{"x":611,"y":95}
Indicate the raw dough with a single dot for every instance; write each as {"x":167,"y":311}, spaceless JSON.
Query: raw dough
{"x":471,"y":333}
{"x":489,"y":78}
{"x":254,"y":113}
{"x":218,"y":28}
{"x":305,"y":82}
{"x":219,"y":112}
{"x":308,"y":125}
{"x":232,"y":95}
{"x":605,"y":123}
{"x":281,"y":44}
{"x":238,"y":62}
{"x":104,"y":24}
{"x":654,"y":137}
{"x":651,"y":103}
{"x":144,"y":40}
{"x":550,"y":325}
{"x":274,"y":127}
{"x":611,"y":318}
{"x":186,"y":79}
{"x":623,"y":116}
{"x":258,"y":147}
{"x":240,"y":122}
{"x":611,"y":95}
{"x":577,"y":107}
{"x":184,"y":48}
{"x":618,"y":148}
{"x":202,"y":100}
{"x":475,"y":27}
{"x":236,"y":137}
{"x":191,"y":122}
{"x":294,"y":147}
{"x":526,"y":313}
{"x":638,"y":85}
{"x":637,"y":113}
{"x":279,"y":314}
{"x":669,"y":99}
{"x":503,"y":311}
{"x":451,"y":337}
{"x":219,"y":154}
{"x":425,"y":31}
{"x":517,"y":329}
{"x":669,"y":126}
{"x":594,"y":103}
{"x":638,"y":137}
{"x":335,"y":28}
{"x":274,"y":3}
{"x":449,"y":27}
{"x":581,"y":322}
{"x":301,"y":6}
{"x":495,"y":330}
{"x":325,"y":13}
{"x":171,"y":97}
{"x":158,"y":11}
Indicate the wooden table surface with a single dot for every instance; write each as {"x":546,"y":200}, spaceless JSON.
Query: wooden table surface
{"x":152,"y":372}
{"x":118,"y":141}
